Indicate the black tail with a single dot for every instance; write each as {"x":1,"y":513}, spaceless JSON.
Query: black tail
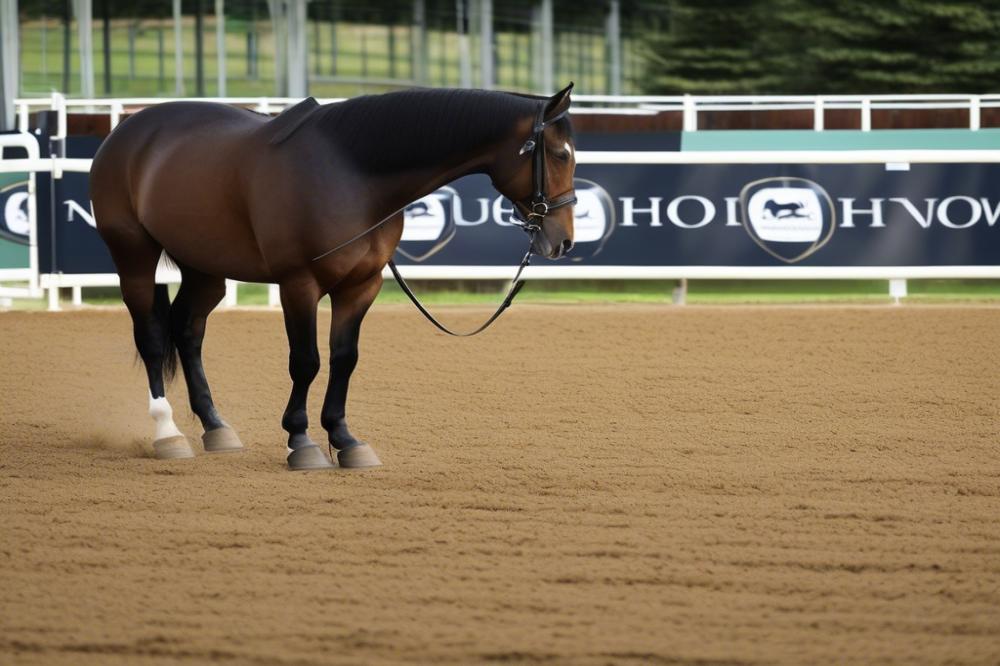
{"x":161,"y":310}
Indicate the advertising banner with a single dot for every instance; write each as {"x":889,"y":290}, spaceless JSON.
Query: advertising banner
{"x":68,"y":241}
{"x":706,"y":215}
{"x":870,"y":215}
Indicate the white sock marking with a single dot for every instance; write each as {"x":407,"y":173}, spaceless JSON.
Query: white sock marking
{"x":163,"y":416}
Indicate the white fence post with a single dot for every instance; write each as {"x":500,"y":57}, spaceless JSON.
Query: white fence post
{"x":690,"y":114}
{"x":116,"y":114}
{"x":231,"y":293}
{"x":54,"y":296}
{"x":866,"y":115}
{"x":22,"y":117}
{"x":897,"y":290}
{"x":974,"y":113}
{"x":819,"y":121}
{"x":680,"y":292}
{"x":273,"y":295}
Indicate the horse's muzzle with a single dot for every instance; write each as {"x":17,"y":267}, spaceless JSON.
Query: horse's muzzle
{"x":543,"y":247}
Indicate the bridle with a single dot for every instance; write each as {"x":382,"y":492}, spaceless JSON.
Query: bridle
{"x":530,"y":214}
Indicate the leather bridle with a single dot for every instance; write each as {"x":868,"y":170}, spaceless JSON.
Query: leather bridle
{"x":532,"y":211}
{"x":531,"y":214}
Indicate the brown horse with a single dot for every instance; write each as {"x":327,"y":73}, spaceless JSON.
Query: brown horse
{"x":311,"y":200}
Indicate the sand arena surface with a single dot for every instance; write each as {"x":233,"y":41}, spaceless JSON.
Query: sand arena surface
{"x":581,"y":485}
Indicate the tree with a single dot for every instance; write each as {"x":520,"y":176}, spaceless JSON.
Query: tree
{"x":817,"y":46}
{"x":710,"y":47}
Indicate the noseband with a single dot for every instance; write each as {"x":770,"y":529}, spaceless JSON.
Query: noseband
{"x":531,"y":212}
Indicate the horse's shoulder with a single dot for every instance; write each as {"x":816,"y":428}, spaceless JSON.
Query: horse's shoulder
{"x":291,"y":120}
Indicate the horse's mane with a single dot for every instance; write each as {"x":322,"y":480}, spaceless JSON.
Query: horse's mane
{"x":423,"y":126}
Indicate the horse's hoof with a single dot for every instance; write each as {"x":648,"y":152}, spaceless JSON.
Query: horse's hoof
{"x":171,"y":448}
{"x":221,"y":440}
{"x":359,"y":456}
{"x":308,"y":457}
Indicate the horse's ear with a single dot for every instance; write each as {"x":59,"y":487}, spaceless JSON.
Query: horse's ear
{"x":558,"y":104}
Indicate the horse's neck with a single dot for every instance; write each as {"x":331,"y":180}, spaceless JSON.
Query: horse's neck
{"x":438,"y":161}
{"x":406,"y":186}
{"x":420,"y":182}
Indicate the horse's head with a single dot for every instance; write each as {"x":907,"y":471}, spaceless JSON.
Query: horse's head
{"x":538,"y":167}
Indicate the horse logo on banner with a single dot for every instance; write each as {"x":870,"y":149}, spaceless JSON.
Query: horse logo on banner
{"x":790,"y":218}
{"x":15,"y":225}
{"x":593,"y":219}
{"x":428,"y":225}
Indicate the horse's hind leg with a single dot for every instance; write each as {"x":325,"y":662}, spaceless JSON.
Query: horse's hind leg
{"x":197,"y":297}
{"x":135,"y":255}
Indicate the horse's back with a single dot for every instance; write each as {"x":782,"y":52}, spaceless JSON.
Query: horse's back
{"x":177,"y":170}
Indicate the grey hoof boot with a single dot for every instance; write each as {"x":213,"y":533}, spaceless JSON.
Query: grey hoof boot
{"x":172,"y":448}
{"x":308,"y":457}
{"x":221,"y":440}
{"x":357,"y":457}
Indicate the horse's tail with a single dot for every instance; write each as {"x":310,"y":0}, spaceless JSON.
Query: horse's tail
{"x":161,"y":311}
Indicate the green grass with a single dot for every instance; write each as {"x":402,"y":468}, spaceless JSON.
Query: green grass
{"x":701,"y":292}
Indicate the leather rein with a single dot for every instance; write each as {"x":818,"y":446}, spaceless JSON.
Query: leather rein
{"x":531,"y":214}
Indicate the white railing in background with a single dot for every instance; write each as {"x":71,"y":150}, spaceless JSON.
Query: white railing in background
{"x":690,"y":106}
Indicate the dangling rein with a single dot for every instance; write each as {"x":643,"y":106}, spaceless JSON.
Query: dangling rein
{"x":515,"y":286}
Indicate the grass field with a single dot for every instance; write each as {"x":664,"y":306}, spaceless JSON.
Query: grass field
{"x":700,"y":292}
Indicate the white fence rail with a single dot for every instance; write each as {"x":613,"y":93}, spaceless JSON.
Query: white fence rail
{"x":689,"y":105}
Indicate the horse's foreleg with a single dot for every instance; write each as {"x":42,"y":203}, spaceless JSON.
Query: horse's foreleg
{"x":298,"y":301}
{"x":349,"y":308}
{"x":198,"y":296}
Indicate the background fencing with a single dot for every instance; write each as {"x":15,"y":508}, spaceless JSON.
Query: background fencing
{"x":875,"y":210}
{"x":328,"y":48}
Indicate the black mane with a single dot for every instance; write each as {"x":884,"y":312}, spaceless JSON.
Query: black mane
{"x":422,"y":127}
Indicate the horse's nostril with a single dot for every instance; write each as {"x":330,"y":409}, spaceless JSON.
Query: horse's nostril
{"x":567,"y":245}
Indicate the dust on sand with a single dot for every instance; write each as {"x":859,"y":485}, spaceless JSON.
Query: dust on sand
{"x":582,"y":485}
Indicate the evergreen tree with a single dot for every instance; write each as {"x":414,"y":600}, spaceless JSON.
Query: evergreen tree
{"x":817,"y":46}
{"x":710,"y":47}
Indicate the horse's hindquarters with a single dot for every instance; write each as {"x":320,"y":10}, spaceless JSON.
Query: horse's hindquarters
{"x":176,"y":170}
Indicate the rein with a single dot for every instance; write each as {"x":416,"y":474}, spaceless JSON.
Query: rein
{"x":515,"y":286}
{"x":530,"y":216}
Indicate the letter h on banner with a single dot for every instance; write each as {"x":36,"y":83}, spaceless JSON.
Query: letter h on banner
{"x":849,"y":211}
{"x":629,"y":210}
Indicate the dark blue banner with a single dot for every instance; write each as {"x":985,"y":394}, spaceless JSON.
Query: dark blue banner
{"x":662,"y":215}
{"x":67,"y":233}
{"x":735,"y":215}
